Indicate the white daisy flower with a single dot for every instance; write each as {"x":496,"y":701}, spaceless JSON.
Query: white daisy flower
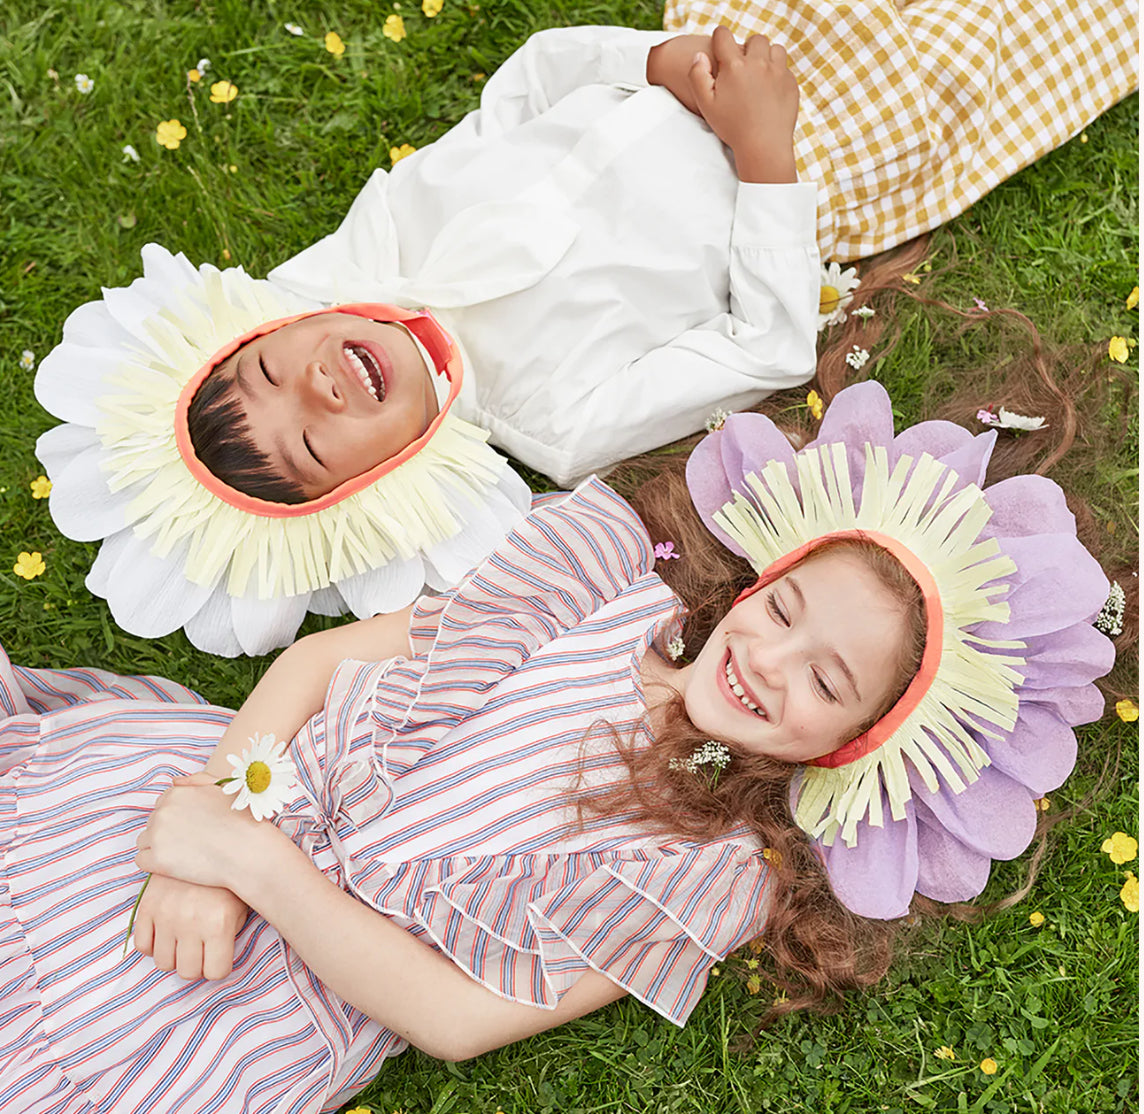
{"x":857,"y":357}
{"x":27,"y":359}
{"x":294,"y":29}
{"x":84,"y":83}
{"x":836,"y":293}
{"x":264,"y":777}
{"x":129,"y":153}
{"x":203,"y":64}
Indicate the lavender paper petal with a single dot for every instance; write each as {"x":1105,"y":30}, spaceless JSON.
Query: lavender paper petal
{"x":1071,"y":657}
{"x":1025,"y":505}
{"x":877,"y":877}
{"x":1074,"y":705}
{"x":970,"y":461}
{"x":1057,"y":583}
{"x":858,"y":414}
{"x":1039,"y":753}
{"x":947,"y":869}
{"x":939,"y":439}
{"x":994,"y":816}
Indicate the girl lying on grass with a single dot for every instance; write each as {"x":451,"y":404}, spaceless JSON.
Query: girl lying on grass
{"x":253,"y":454}
{"x":557,"y":784}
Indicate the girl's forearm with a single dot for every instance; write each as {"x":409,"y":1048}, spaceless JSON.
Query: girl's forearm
{"x":382,"y":970}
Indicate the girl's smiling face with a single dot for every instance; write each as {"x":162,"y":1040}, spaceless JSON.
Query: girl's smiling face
{"x":328,"y":397}
{"x":797,"y":668}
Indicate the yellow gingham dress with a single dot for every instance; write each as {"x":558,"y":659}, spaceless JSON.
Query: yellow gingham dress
{"x":911,"y":111}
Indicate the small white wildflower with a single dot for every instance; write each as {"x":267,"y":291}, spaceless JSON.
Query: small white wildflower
{"x":865,"y":312}
{"x":1110,"y":621}
{"x":84,"y":83}
{"x":202,"y":65}
{"x":675,"y":648}
{"x":717,"y":418}
{"x":857,"y":357}
{"x":27,"y":359}
{"x":294,"y":29}
{"x":129,"y":153}
{"x":710,"y":753}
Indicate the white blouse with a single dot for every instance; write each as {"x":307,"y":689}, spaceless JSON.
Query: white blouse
{"x":587,"y":241}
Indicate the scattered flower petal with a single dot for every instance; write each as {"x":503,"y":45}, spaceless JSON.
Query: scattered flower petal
{"x":988,"y":1066}
{"x":665,"y":551}
{"x":1120,"y":848}
{"x":263,"y":779}
{"x":1118,"y":350}
{"x":1130,"y":892}
{"x":815,"y":405}
{"x":41,"y":487}
{"x":84,"y":83}
{"x":27,"y":359}
{"x":334,"y":44}
{"x":980,"y":305}
{"x":1037,"y":919}
{"x":1126,"y":709}
{"x":836,"y":292}
{"x":223,"y":92}
{"x":29,"y":565}
{"x":170,"y":133}
{"x":1133,"y":299}
{"x":944,"y":1053}
{"x":675,"y":648}
{"x":865,"y":312}
{"x":129,"y":153}
{"x":394,"y":28}
{"x":293,"y":29}
{"x":432,"y":8}
{"x":1007,"y":419}
{"x":857,"y":357}
{"x":396,"y":154}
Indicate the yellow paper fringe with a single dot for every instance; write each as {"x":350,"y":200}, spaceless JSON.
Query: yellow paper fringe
{"x":973,"y":691}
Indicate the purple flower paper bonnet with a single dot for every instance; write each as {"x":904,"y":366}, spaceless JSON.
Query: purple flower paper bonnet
{"x":952,"y":784}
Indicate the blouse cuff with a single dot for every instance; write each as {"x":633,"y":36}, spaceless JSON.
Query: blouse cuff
{"x":782,"y":215}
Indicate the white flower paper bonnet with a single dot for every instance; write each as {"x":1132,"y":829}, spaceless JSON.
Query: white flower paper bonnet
{"x":180,"y":548}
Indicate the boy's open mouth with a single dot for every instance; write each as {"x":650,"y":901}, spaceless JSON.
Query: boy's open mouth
{"x":362,"y":362}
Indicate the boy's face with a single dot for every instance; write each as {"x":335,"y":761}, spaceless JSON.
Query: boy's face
{"x":328,"y":397}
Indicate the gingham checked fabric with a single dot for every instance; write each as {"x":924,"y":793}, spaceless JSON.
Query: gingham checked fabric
{"x":912,"y":111}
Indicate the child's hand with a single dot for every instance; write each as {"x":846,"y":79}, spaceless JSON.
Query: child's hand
{"x":669,"y":65}
{"x":189,"y":929}
{"x":750,"y":101}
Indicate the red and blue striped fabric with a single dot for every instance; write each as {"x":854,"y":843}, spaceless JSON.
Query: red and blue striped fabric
{"x":437,"y":788}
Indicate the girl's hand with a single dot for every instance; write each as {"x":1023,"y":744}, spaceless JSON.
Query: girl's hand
{"x":194,"y":835}
{"x":669,"y":65}
{"x":750,"y":101}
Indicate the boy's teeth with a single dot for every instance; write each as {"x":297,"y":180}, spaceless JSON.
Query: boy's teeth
{"x":738,"y":690}
{"x":355,"y":361}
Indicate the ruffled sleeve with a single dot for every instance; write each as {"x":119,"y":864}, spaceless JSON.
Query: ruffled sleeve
{"x":527,"y":926}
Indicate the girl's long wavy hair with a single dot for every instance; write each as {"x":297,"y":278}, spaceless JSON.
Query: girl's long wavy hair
{"x":817,"y":949}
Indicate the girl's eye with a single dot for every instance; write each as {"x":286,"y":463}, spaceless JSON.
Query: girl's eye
{"x":265,"y":373}
{"x":310,"y":449}
{"x":775,"y":608}
{"x":824,"y":689}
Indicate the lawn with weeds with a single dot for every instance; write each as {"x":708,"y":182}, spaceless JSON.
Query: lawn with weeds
{"x":1045,"y":992}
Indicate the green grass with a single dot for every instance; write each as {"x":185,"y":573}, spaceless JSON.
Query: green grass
{"x":1055,"y":1005}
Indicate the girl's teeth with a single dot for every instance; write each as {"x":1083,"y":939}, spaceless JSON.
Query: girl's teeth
{"x":738,"y":690}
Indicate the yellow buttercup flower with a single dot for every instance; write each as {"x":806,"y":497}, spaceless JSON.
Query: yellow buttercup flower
{"x":1133,"y":299}
{"x":754,"y":984}
{"x":912,"y":279}
{"x":1130,"y":893}
{"x":814,"y":402}
{"x":29,"y":565}
{"x":1036,"y":919}
{"x":223,"y":92}
{"x":1126,"y":709}
{"x":1043,"y":804}
{"x":396,"y":154}
{"x":170,"y":133}
{"x":334,"y":44}
{"x":944,"y":1053}
{"x":1120,"y":848}
{"x":41,"y":487}
{"x":194,"y":75}
{"x":394,"y":28}
{"x":770,"y":855}
{"x":432,"y":7}
{"x":988,"y":1066}
{"x":1118,"y":350}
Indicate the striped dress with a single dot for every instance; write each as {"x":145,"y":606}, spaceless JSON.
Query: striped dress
{"x":435,"y":788}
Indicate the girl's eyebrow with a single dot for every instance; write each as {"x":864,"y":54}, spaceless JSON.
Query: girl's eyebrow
{"x":834,"y":655}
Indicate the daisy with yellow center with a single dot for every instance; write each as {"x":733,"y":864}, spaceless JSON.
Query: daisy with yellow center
{"x":836,"y":292}
{"x":263,"y":778}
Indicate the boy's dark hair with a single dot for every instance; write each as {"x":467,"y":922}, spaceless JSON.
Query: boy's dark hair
{"x":222,"y":441}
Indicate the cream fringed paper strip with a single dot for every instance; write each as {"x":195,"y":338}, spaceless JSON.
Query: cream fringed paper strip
{"x":917,"y":504}
{"x":239,"y":576}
